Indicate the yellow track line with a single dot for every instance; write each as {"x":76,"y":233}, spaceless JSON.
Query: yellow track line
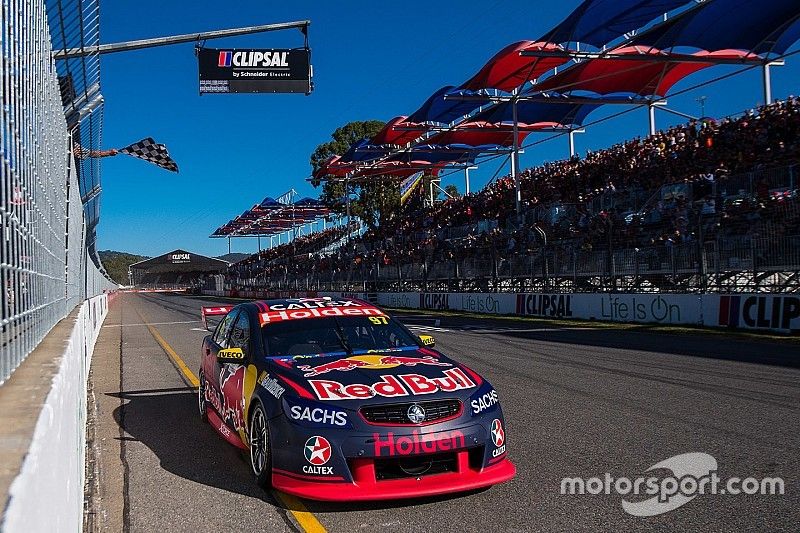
{"x":305,"y":518}
{"x":174,"y":356}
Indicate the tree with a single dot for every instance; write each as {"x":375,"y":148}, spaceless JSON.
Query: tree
{"x":377,"y":200}
{"x":117,"y":263}
{"x":343,"y":137}
{"x":452,"y":190}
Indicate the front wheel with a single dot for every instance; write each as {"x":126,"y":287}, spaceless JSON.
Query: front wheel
{"x":260,"y":456}
{"x":201,"y":398}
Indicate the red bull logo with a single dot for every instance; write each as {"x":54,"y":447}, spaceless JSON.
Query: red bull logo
{"x":372,"y":362}
{"x":228,"y":402}
{"x":454,"y":379}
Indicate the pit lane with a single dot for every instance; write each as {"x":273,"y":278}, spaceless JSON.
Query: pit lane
{"x":578,"y":401}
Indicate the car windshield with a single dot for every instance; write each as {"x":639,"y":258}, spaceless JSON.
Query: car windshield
{"x":329,"y":335}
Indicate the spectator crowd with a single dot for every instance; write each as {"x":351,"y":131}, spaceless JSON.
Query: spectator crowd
{"x":690,"y":183}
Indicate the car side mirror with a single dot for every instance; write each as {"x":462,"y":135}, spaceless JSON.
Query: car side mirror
{"x":427,"y":340}
{"x":231,"y":355}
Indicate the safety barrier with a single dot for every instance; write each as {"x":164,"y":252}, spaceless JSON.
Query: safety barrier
{"x":766,"y":312}
{"x":47,"y":494}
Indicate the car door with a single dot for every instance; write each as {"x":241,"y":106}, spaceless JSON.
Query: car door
{"x":237,"y":381}
{"x":217,"y":375}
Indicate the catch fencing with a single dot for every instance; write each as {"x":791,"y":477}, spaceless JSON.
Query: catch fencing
{"x":751,"y":264}
{"x":45,"y":268}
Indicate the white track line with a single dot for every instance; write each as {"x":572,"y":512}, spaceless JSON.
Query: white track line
{"x":152,"y":324}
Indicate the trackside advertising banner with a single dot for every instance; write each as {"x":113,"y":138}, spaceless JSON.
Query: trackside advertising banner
{"x":666,"y":309}
{"x":774,"y":312}
{"x":744,"y":311}
{"x":779,"y":312}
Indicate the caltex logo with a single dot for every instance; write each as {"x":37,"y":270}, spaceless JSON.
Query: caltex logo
{"x":498,"y":435}
{"x":317,"y":450}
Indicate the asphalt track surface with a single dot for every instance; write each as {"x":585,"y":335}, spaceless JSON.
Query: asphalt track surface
{"x":578,"y":401}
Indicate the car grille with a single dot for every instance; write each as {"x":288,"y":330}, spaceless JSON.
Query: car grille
{"x":397,"y":413}
{"x":416,"y":467}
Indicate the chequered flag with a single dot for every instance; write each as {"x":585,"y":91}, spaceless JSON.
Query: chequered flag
{"x":151,"y":151}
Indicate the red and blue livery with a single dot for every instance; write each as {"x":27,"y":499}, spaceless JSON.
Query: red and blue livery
{"x":333,"y":399}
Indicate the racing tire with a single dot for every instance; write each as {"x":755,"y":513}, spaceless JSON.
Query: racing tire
{"x":201,"y":399}
{"x":260,"y":451}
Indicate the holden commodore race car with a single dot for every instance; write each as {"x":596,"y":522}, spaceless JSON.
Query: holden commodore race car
{"x":336,"y":400}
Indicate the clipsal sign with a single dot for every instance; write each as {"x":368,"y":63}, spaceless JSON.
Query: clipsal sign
{"x":551,"y":305}
{"x":389,"y":386}
{"x":180,"y":258}
{"x":434,"y":301}
{"x":760,"y":312}
{"x":253,"y":58}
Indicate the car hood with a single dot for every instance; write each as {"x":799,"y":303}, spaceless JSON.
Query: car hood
{"x":392,"y":376}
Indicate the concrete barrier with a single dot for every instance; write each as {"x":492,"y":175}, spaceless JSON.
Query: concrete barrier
{"x":47,"y":494}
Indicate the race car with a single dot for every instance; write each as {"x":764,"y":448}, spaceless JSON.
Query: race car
{"x":333,"y":399}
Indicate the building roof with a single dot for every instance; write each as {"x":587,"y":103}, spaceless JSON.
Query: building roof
{"x":180,"y":261}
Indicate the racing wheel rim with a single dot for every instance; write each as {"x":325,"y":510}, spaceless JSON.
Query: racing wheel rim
{"x":258,"y":442}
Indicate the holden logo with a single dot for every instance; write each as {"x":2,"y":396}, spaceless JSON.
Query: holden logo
{"x":416,"y":414}
{"x":498,"y":435}
{"x":317,"y":450}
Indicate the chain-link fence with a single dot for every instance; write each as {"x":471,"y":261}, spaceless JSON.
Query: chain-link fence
{"x":45,"y":269}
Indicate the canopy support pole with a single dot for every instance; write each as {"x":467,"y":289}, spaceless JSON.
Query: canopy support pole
{"x":572,"y":133}
{"x":229,"y":245}
{"x":515,"y":158}
{"x":651,"y":111}
{"x":259,"y":243}
{"x":347,"y":195}
{"x":466,"y":178}
{"x":768,"y":79}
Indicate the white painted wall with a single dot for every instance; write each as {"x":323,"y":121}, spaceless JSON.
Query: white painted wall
{"x":47,"y":495}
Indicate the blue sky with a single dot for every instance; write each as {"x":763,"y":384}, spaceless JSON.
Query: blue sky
{"x":372,"y":60}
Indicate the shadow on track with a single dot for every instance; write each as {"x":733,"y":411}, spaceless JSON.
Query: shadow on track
{"x":167,"y":422}
{"x":696,"y":344}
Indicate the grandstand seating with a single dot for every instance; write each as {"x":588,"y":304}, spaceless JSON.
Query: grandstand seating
{"x":689,"y":208}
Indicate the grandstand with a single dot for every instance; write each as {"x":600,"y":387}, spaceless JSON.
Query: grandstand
{"x":711,"y":205}
{"x":697,"y":207}
{"x":177,"y":269}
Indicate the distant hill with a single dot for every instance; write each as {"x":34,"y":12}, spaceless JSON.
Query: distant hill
{"x":234,"y":257}
{"x":117,"y":264}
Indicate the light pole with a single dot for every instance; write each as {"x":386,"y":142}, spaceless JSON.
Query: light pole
{"x":702,"y":101}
